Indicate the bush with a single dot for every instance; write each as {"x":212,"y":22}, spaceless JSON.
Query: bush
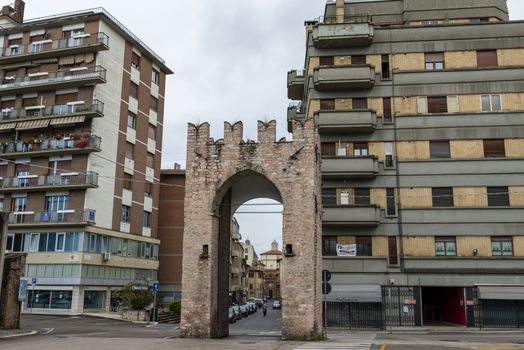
{"x":175,"y":307}
{"x":134,"y":297}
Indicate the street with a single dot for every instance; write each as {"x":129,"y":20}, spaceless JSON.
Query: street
{"x":258,"y":325}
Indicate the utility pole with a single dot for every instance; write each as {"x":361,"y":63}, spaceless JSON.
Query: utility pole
{"x":3,"y":247}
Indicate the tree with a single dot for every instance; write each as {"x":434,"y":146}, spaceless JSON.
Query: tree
{"x":136,"y":295}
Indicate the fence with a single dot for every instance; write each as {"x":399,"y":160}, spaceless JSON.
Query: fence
{"x":355,"y":316}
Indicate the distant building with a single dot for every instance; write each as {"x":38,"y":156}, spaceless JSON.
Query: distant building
{"x":255,"y":288}
{"x":271,"y":261}
{"x":238,"y":271}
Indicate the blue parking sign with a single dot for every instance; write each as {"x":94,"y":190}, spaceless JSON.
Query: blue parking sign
{"x":33,"y":280}
{"x":156,"y":286}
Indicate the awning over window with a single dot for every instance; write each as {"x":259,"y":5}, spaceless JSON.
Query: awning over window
{"x":356,"y":293}
{"x":7,"y":126}
{"x":33,"y":124}
{"x":68,"y":120}
{"x":501,"y":292}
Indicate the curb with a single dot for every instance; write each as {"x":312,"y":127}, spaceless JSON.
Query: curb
{"x":18,"y":335}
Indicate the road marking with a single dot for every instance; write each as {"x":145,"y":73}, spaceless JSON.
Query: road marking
{"x":47,"y":330}
{"x":383,"y":347}
{"x":342,"y":343}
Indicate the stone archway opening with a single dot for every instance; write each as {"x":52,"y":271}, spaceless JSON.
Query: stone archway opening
{"x":252,"y":194}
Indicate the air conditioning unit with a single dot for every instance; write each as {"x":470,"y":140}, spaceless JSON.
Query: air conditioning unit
{"x":106,"y":256}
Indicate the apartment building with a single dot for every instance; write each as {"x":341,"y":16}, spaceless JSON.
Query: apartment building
{"x":255,"y":269}
{"x":82,"y":104}
{"x":419,"y":105}
{"x":238,"y":275}
{"x":271,"y":261}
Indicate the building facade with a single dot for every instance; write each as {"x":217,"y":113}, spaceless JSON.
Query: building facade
{"x":271,"y":260}
{"x":82,"y":103}
{"x":255,"y":284}
{"x":170,"y":233}
{"x":419,"y":105}
{"x":238,"y":277}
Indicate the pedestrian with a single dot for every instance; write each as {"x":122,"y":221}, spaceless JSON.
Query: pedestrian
{"x":264,"y":310}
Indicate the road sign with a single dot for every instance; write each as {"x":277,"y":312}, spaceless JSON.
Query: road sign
{"x":326,"y":276}
{"x":156,"y":286}
{"x":33,"y":280}
{"x":326,"y":288}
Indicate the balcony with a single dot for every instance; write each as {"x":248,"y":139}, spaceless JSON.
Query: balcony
{"x":66,"y":217}
{"x":73,"y":77}
{"x":352,"y":31}
{"x":357,"y":121}
{"x":69,"y":113}
{"x":47,"y":147}
{"x":348,"y":77}
{"x":295,"y":111}
{"x":29,"y":183}
{"x":295,"y":84}
{"x":350,"y":167}
{"x":351,"y":216}
{"x":355,"y":264}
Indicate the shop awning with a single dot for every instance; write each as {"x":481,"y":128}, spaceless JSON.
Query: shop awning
{"x":7,"y":126}
{"x":501,"y":292}
{"x":356,"y":293}
{"x":32,"y":124}
{"x":68,"y":120}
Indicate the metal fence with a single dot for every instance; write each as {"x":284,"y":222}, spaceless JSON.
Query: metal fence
{"x":355,"y":316}
{"x":499,"y":314}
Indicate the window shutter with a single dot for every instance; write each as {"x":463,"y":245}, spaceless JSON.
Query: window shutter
{"x":386,"y":102}
{"x":327,"y":105}
{"x":362,"y":196}
{"x":64,"y":98}
{"x":498,"y":197}
{"x":434,"y":57}
{"x":494,"y":148}
{"x":422,"y":105}
{"x":453,"y":106}
{"x":329,"y":196}
{"x":437,"y":104}
{"x":327,"y":149}
{"x":392,"y":249}
{"x":327,"y":61}
{"x":487,"y":58}
{"x":358,"y":59}
{"x":360,"y":103}
{"x":439,"y":149}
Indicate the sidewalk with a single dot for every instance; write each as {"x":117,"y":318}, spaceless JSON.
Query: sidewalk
{"x":14,"y":333}
{"x":426,"y":330}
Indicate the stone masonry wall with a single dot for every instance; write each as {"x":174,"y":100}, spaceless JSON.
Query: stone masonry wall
{"x":9,"y":305}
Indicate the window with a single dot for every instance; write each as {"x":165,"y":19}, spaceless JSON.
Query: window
{"x":439,"y":149}
{"x":498,"y":196}
{"x":329,"y":196}
{"x":360,"y":103}
{"x":10,"y":242}
{"x":19,"y":205}
{"x":150,"y":160}
{"x":389,"y":155}
{"x":327,"y":104}
{"x":429,"y":23}
{"x":130,"y":150}
{"x":391,"y":209}
{"x":329,"y":246}
{"x":341,"y":150}
{"x":501,"y":246}
{"x":442,"y":196}
{"x":344,"y":197}
{"x":385,"y":67}
{"x":148,"y":189}
{"x":327,"y":61}
{"x":133,"y":90}
{"x":126,"y":211}
{"x":60,"y":242}
{"x":155,"y":77}
{"x":437,"y":104}
{"x":151,"y":132}
{"x":362,"y":196}
{"x":153,"y":104}
{"x":479,"y":20}
{"x":358,"y":59}
{"x":487,"y":59}
{"x":33,"y":242}
{"x":392,"y":250}
{"x":386,"y":102}
{"x":147,"y":219}
{"x":445,"y":246}
{"x":494,"y":148}
{"x":131,"y":120}
{"x":491,"y":103}
{"x":135,"y":61}
{"x":363,"y":245}
{"x":360,"y":149}
{"x":127,"y":181}
{"x":91,"y":247}
{"x":328,"y":149}
{"x":434,"y":61}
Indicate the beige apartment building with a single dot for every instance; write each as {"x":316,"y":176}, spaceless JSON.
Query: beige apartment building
{"x":82,"y":110}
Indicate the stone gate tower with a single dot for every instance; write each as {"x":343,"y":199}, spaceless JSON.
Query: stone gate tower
{"x":220,"y":176}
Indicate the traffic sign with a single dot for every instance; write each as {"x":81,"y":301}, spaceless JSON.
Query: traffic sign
{"x":326,"y":288}
{"x":156,"y":286}
{"x":326,"y":276}
{"x":33,"y":280}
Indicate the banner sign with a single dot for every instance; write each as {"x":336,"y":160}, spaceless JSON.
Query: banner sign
{"x":346,"y":250}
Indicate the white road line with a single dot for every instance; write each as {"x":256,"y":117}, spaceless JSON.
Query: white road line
{"x":47,"y":330}
{"x":341,"y":343}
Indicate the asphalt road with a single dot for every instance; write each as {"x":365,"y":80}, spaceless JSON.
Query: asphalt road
{"x":258,"y":325}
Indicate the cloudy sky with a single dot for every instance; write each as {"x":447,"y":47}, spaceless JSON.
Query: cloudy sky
{"x":230,"y":59}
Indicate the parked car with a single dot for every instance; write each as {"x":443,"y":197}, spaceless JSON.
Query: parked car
{"x":231,"y":315}
{"x":244,"y":310}
{"x":259,"y":303}
{"x":276,"y":305}
{"x":236,"y":309}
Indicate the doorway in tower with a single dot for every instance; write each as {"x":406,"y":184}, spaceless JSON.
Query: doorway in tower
{"x":443,"y":306}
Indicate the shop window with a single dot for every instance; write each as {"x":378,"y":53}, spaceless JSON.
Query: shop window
{"x":329,"y":246}
{"x":363,"y":246}
{"x":442,"y":197}
{"x":501,"y":246}
{"x":494,"y":148}
{"x":487,"y":59}
{"x":434,"y":61}
{"x":445,"y":246}
{"x":439,"y":149}
{"x":498,"y":196}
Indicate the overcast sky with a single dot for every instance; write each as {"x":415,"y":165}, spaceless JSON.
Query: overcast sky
{"x":230,"y":59}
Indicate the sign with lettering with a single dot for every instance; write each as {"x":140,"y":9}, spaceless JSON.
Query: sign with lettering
{"x":346,"y":250}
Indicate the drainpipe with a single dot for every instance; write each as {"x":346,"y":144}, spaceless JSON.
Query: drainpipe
{"x":340,"y":11}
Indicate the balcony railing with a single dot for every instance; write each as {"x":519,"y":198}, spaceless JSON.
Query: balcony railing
{"x":85,"y":107}
{"x":66,"y":216}
{"x":348,"y":77}
{"x":345,"y":19}
{"x":295,"y":84}
{"x":43,"y":46}
{"x":35,"y":79}
{"x":37,"y":145}
{"x":46,"y":181}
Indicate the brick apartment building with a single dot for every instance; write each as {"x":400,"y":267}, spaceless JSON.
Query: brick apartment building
{"x":82,"y":109}
{"x":419,"y":105}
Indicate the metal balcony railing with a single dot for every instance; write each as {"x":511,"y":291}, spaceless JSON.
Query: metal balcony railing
{"x":91,"y":141}
{"x":82,"y":40}
{"x":54,"y":77}
{"x":56,"y":216}
{"x":345,"y":19}
{"x":91,"y":106}
{"x":67,"y":179}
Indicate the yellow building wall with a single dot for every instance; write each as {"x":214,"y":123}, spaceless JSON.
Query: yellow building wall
{"x":378,"y":197}
{"x":379,"y":246}
{"x":514,"y":148}
{"x":416,"y":197}
{"x":405,"y":105}
{"x":470,"y":197}
{"x":518,"y":245}
{"x":314,"y":106}
{"x":343,"y":103}
{"x":377,"y":149}
{"x":469,"y":149}
{"x":516,"y":196}
{"x":423,"y":246}
{"x":375,"y":60}
{"x":469,"y":103}
{"x":408,"y":61}
{"x":346,"y":240}
{"x":314,"y":62}
{"x":377,"y":105}
{"x":413,"y":150}
{"x":510,"y":57}
{"x":512,"y":102}
{"x":460,"y":59}
{"x":342,"y":60}
{"x":466,"y":244}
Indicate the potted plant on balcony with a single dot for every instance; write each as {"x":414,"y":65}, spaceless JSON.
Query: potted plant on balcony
{"x":68,"y":140}
{"x":19,"y":146}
